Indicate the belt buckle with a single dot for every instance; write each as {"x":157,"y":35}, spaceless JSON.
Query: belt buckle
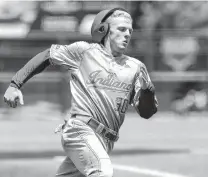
{"x":106,"y":132}
{"x":111,"y":137}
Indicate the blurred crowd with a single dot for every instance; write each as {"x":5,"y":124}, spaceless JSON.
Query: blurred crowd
{"x":171,"y":14}
{"x":178,"y":39}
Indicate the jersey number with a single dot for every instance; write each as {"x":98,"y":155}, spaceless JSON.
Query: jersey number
{"x":122,"y":104}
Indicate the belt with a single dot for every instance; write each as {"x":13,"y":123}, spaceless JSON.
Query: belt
{"x":98,"y":127}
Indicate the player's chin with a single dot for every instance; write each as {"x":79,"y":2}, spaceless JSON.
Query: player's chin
{"x":122,"y":49}
{"x":123,"y":46}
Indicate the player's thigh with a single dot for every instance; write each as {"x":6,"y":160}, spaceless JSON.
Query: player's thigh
{"x":68,"y":169}
{"x":85,"y":150}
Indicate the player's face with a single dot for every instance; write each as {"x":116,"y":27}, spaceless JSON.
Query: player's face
{"x":120,"y":34}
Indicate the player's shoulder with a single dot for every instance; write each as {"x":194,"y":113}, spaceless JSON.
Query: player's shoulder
{"x":78,"y":47}
{"x":82,"y":46}
{"x":134,"y":62}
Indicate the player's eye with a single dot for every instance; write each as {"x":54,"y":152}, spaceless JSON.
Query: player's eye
{"x":122,"y":29}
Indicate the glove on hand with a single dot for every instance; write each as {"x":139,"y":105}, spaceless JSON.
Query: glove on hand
{"x":146,"y":106}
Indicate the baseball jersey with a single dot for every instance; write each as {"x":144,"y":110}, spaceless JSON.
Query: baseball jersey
{"x":102,"y":86}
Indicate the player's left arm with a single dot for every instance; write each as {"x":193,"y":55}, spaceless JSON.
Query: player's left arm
{"x":144,"y":97}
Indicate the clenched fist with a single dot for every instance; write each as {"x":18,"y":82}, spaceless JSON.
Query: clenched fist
{"x":12,"y":96}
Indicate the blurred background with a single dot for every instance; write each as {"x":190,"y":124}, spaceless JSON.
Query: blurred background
{"x":170,"y":37}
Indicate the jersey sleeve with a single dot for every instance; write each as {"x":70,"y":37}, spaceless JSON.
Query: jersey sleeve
{"x":68,"y":56}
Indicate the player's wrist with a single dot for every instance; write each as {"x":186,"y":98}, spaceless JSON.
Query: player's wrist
{"x":149,"y":88}
{"x":14,"y":84}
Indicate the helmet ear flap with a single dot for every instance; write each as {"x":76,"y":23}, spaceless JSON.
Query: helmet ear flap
{"x":99,"y":27}
{"x":100,"y":32}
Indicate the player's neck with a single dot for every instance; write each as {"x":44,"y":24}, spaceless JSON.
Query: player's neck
{"x":112,"y":52}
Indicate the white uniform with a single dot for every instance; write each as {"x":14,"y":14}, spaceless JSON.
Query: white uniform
{"x":102,"y":87}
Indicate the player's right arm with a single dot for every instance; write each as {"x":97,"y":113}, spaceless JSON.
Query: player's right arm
{"x":68,"y":56}
{"x":36,"y":65}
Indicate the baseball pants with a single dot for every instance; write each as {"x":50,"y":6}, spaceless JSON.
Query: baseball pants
{"x":87,"y":152}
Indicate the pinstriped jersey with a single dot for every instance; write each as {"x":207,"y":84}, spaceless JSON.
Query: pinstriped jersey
{"x":102,"y":86}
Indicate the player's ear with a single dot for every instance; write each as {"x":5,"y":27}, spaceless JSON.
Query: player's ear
{"x":103,"y":41}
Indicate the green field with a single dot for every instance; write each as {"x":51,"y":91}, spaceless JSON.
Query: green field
{"x":164,"y":146}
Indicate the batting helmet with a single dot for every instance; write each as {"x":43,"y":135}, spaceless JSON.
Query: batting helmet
{"x":99,"y":27}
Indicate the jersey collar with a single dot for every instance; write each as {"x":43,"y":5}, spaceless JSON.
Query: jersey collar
{"x":102,"y":48}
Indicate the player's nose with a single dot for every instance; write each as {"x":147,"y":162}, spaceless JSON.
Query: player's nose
{"x":127,"y":38}
{"x":128,"y":33}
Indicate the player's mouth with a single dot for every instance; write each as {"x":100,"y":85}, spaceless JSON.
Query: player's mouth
{"x":125,"y":42}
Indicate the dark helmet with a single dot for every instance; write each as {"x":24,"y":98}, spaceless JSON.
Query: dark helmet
{"x":99,"y":27}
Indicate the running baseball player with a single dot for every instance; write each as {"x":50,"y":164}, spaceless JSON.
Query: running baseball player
{"x":103,"y":83}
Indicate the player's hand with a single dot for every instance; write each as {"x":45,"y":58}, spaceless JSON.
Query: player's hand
{"x":12,"y":96}
{"x":145,"y":83}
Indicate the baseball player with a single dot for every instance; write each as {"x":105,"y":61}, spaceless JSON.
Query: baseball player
{"x":103,"y":83}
